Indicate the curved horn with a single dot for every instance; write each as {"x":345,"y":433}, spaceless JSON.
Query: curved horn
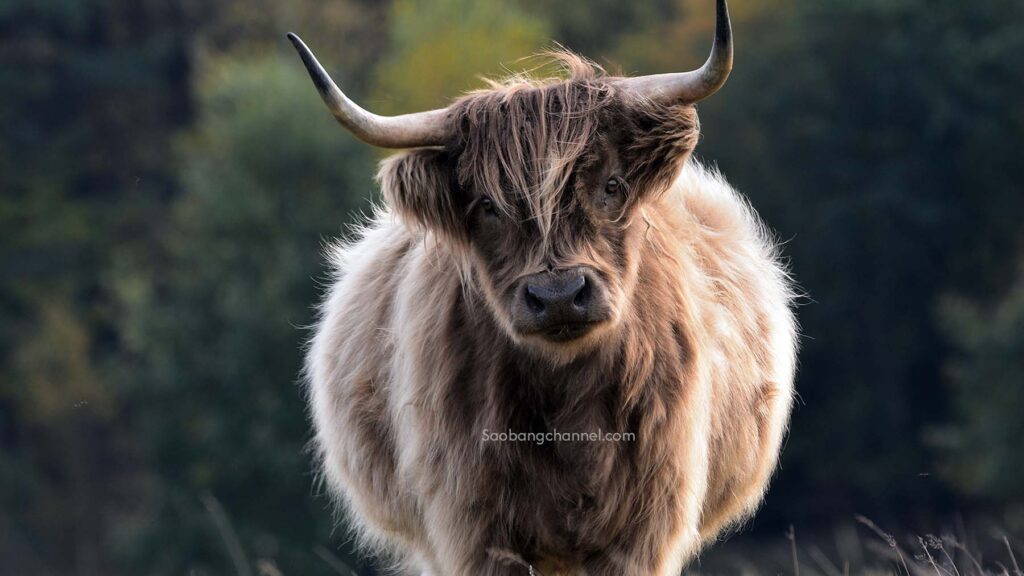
{"x":690,"y":87}
{"x":404,"y":131}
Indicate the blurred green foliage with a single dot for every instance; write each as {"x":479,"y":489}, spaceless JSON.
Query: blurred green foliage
{"x":876,"y":137}
{"x":168,"y":176}
{"x":440,"y":48}
{"x":988,"y":388}
{"x":214,"y":316}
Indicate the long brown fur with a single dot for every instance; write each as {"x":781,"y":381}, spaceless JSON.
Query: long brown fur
{"x":415,"y":357}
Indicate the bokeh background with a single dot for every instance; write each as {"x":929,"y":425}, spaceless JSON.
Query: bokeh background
{"x":168,"y":177}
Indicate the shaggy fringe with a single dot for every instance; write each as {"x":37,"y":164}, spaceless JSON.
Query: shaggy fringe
{"x":521,"y":138}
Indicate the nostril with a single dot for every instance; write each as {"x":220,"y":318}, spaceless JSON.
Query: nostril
{"x":583,"y":296}
{"x":534,"y":303}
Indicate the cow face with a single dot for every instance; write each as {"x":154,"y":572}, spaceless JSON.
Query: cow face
{"x":562,"y":285}
{"x":544,"y":191}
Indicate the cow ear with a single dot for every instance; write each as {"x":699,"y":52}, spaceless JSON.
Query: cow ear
{"x":660,"y":139}
{"x":420,"y":186}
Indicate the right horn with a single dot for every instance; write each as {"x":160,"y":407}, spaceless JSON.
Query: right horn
{"x":403,"y":131}
{"x":690,"y":87}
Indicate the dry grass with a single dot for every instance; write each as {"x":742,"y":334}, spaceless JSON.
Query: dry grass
{"x":957,"y":553}
{"x":868,"y":550}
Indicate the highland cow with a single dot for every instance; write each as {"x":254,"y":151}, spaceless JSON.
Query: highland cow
{"x":549,"y":259}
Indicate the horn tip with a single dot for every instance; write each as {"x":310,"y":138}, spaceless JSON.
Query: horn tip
{"x":321,"y":80}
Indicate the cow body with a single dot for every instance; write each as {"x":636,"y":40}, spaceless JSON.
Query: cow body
{"x":409,"y":369}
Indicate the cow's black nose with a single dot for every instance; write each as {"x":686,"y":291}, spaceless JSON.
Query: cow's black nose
{"x":560,"y":305}
{"x":554,"y":295}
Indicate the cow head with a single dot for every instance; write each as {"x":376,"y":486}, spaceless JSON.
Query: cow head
{"x":540,"y":187}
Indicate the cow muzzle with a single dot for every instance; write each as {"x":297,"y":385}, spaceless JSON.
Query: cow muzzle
{"x":560,"y":306}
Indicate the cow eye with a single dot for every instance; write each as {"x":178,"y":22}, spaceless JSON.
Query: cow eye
{"x":487,"y":205}
{"x":613,"y":186}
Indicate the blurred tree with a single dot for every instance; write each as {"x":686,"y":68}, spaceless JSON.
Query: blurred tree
{"x":597,"y":28}
{"x":874,"y":137}
{"x":986,"y":455}
{"x":678,"y":36}
{"x":440,"y":49}
{"x":92,"y":92}
{"x":346,"y":33}
{"x":215,"y":317}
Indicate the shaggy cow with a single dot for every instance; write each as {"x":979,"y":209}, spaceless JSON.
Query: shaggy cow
{"x":550,"y":260}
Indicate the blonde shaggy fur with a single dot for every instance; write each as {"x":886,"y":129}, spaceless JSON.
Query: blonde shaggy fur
{"x":413,"y":358}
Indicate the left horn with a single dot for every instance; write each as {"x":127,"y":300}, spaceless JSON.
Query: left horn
{"x":690,"y":87}
{"x":403,"y":131}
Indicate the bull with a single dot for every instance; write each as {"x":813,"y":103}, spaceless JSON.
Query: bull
{"x":550,"y":260}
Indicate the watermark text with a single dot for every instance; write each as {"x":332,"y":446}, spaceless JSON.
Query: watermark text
{"x":541,"y":438}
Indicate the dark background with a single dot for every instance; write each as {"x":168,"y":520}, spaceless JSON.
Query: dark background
{"x":168,"y":176}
